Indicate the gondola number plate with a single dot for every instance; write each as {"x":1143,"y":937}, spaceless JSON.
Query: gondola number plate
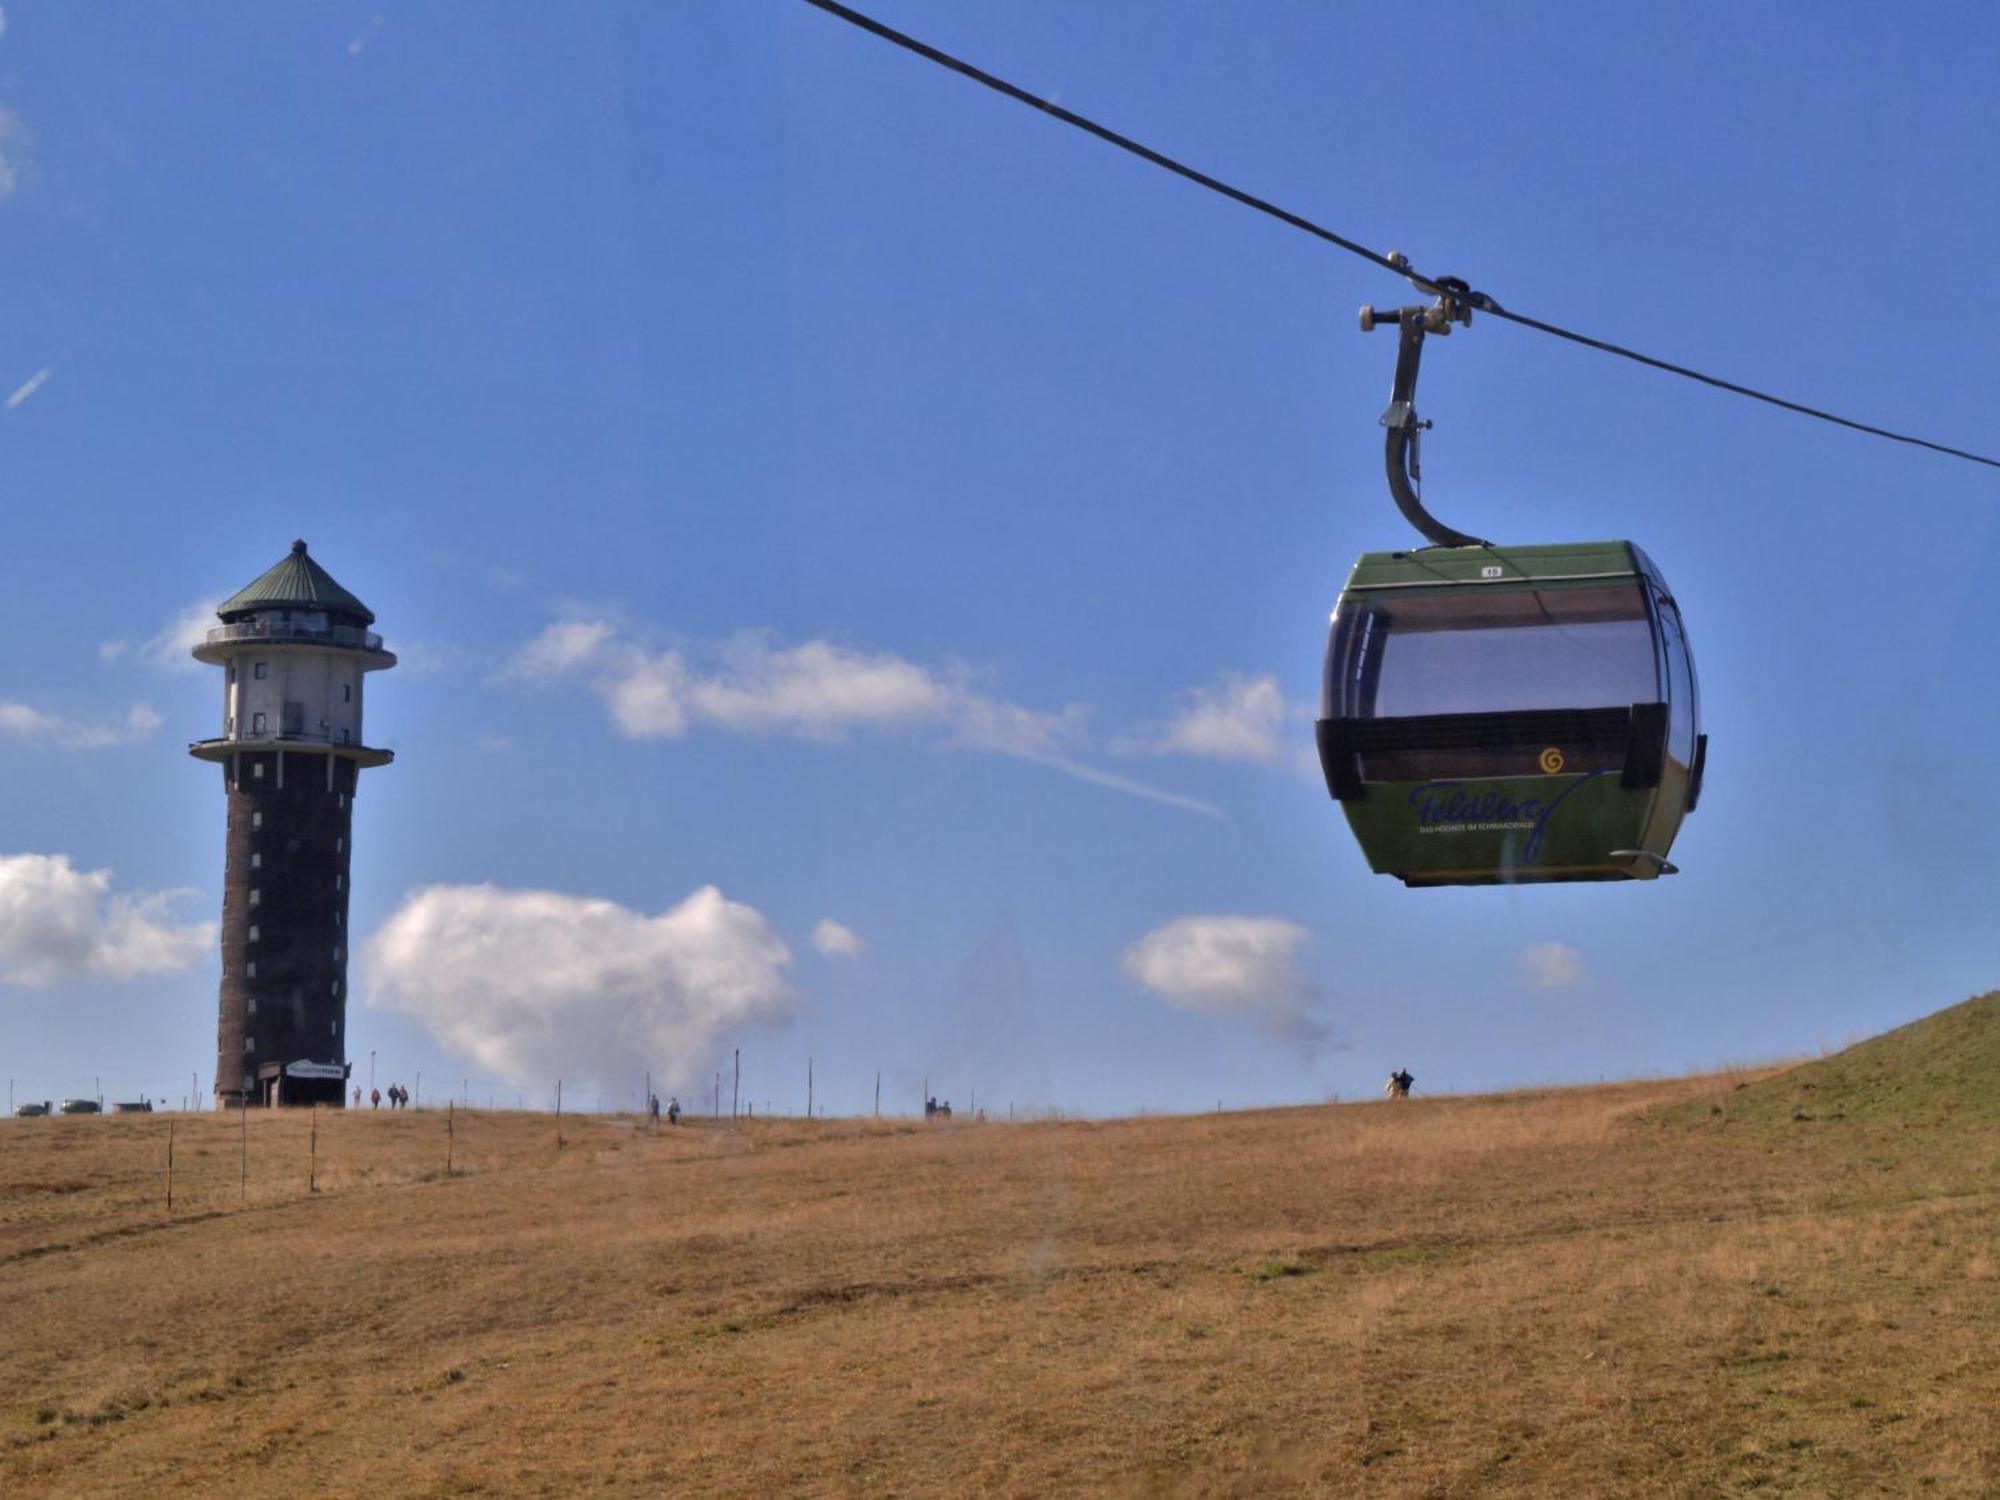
{"x":1552,"y":760}
{"x":1490,"y":572}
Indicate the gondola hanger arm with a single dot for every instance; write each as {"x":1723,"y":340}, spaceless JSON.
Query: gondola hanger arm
{"x":1402,"y":456}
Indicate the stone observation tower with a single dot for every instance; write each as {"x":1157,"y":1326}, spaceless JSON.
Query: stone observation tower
{"x":295,"y":648}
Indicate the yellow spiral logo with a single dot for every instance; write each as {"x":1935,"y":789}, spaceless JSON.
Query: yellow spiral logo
{"x":1552,"y":760}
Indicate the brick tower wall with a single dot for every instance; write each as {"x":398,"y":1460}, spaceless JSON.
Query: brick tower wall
{"x":284,"y":924}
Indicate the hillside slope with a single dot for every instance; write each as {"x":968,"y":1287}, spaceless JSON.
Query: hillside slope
{"x":1942,"y":1071}
{"x":1508,"y":1296}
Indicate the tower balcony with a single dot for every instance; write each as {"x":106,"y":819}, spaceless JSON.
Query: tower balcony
{"x":219,"y":750}
{"x":216,"y":646}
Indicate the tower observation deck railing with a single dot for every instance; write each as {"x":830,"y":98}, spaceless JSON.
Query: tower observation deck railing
{"x":275,"y":630}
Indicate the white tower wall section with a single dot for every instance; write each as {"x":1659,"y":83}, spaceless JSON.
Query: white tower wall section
{"x":293,"y":692}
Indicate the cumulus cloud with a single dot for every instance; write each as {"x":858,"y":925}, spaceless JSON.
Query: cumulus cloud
{"x":1235,"y":966}
{"x":836,"y":940}
{"x":27,"y":724}
{"x":818,"y":691}
{"x":171,"y":649}
{"x":1239,"y":718}
{"x":110,"y":651}
{"x":537,"y":985}
{"x":60,"y":923}
{"x":1550,"y":966}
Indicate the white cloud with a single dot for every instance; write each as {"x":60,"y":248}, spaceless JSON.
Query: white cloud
{"x":1550,"y":966}
{"x":1234,"y":966}
{"x":20,"y":722}
{"x":14,"y":162}
{"x":539,"y":985}
{"x":423,"y":659}
{"x":837,"y":940}
{"x":110,"y":651}
{"x":563,"y":648}
{"x":171,"y":648}
{"x":816,"y":691}
{"x":57,"y":923}
{"x":30,"y":725}
{"x":35,"y":381}
{"x":1238,"y":718}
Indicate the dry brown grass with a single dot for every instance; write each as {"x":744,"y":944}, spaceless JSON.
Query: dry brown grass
{"x":1541,"y":1292}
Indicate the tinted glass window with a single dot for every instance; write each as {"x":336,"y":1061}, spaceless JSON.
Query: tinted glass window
{"x":1491,"y":650}
{"x":1680,"y":664}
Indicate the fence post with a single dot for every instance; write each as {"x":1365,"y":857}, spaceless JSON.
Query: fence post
{"x":878,"y":1093}
{"x":558,"y":1114}
{"x":170,"y":1166}
{"x":736,"y":1083}
{"x":243,"y":1153}
{"x":312,"y":1153}
{"x":809,"y":1088}
{"x":450,"y":1132}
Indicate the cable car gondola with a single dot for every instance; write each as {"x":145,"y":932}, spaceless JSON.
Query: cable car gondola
{"x":1508,"y":714}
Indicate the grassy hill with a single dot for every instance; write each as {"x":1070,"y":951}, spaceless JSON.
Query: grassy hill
{"x":1591,"y":1291}
{"x":1940,"y":1073}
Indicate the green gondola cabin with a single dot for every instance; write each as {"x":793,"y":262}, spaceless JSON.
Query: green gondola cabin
{"x":1511,"y":714}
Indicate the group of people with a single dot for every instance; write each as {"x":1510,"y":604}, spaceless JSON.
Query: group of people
{"x":398,"y":1096}
{"x":653,"y":1109}
{"x":935,"y":1110}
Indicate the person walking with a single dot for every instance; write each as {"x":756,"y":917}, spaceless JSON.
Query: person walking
{"x":374,"y":1098}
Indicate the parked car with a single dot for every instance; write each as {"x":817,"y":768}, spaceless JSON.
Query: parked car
{"x":132,"y":1107}
{"x":33,"y":1111}
{"x":82,"y":1107}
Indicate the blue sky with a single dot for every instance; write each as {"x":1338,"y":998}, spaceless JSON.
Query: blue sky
{"x":787,"y":468}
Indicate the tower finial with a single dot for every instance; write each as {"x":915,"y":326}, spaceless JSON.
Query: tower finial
{"x":298,"y":547}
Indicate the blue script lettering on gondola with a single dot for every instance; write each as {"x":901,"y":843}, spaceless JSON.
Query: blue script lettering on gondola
{"x":1469,"y":807}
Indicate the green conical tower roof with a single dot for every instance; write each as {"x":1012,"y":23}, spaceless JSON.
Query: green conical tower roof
{"x":295,"y":582}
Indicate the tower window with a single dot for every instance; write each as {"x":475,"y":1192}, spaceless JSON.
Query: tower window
{"x":337,"y":882}
{"x":256,"y":896}
{"x":252,"y":1003}
{"x":253,"y":932}
{"x":347,"y":692}
{"x":250,"y":972}
{"x":249,"y":1044}
{"x":343,"y":736}
{"x":257,"y":771}
{"x":333,"y":1028}
{"x":257,"y":723}
{"x":339,"y":843}
{"x":261,"y":670}
{"x":336,"y":989}
{"x":336,"y":953}
{"x":257,"y":819}
{"x":256,"y":861}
